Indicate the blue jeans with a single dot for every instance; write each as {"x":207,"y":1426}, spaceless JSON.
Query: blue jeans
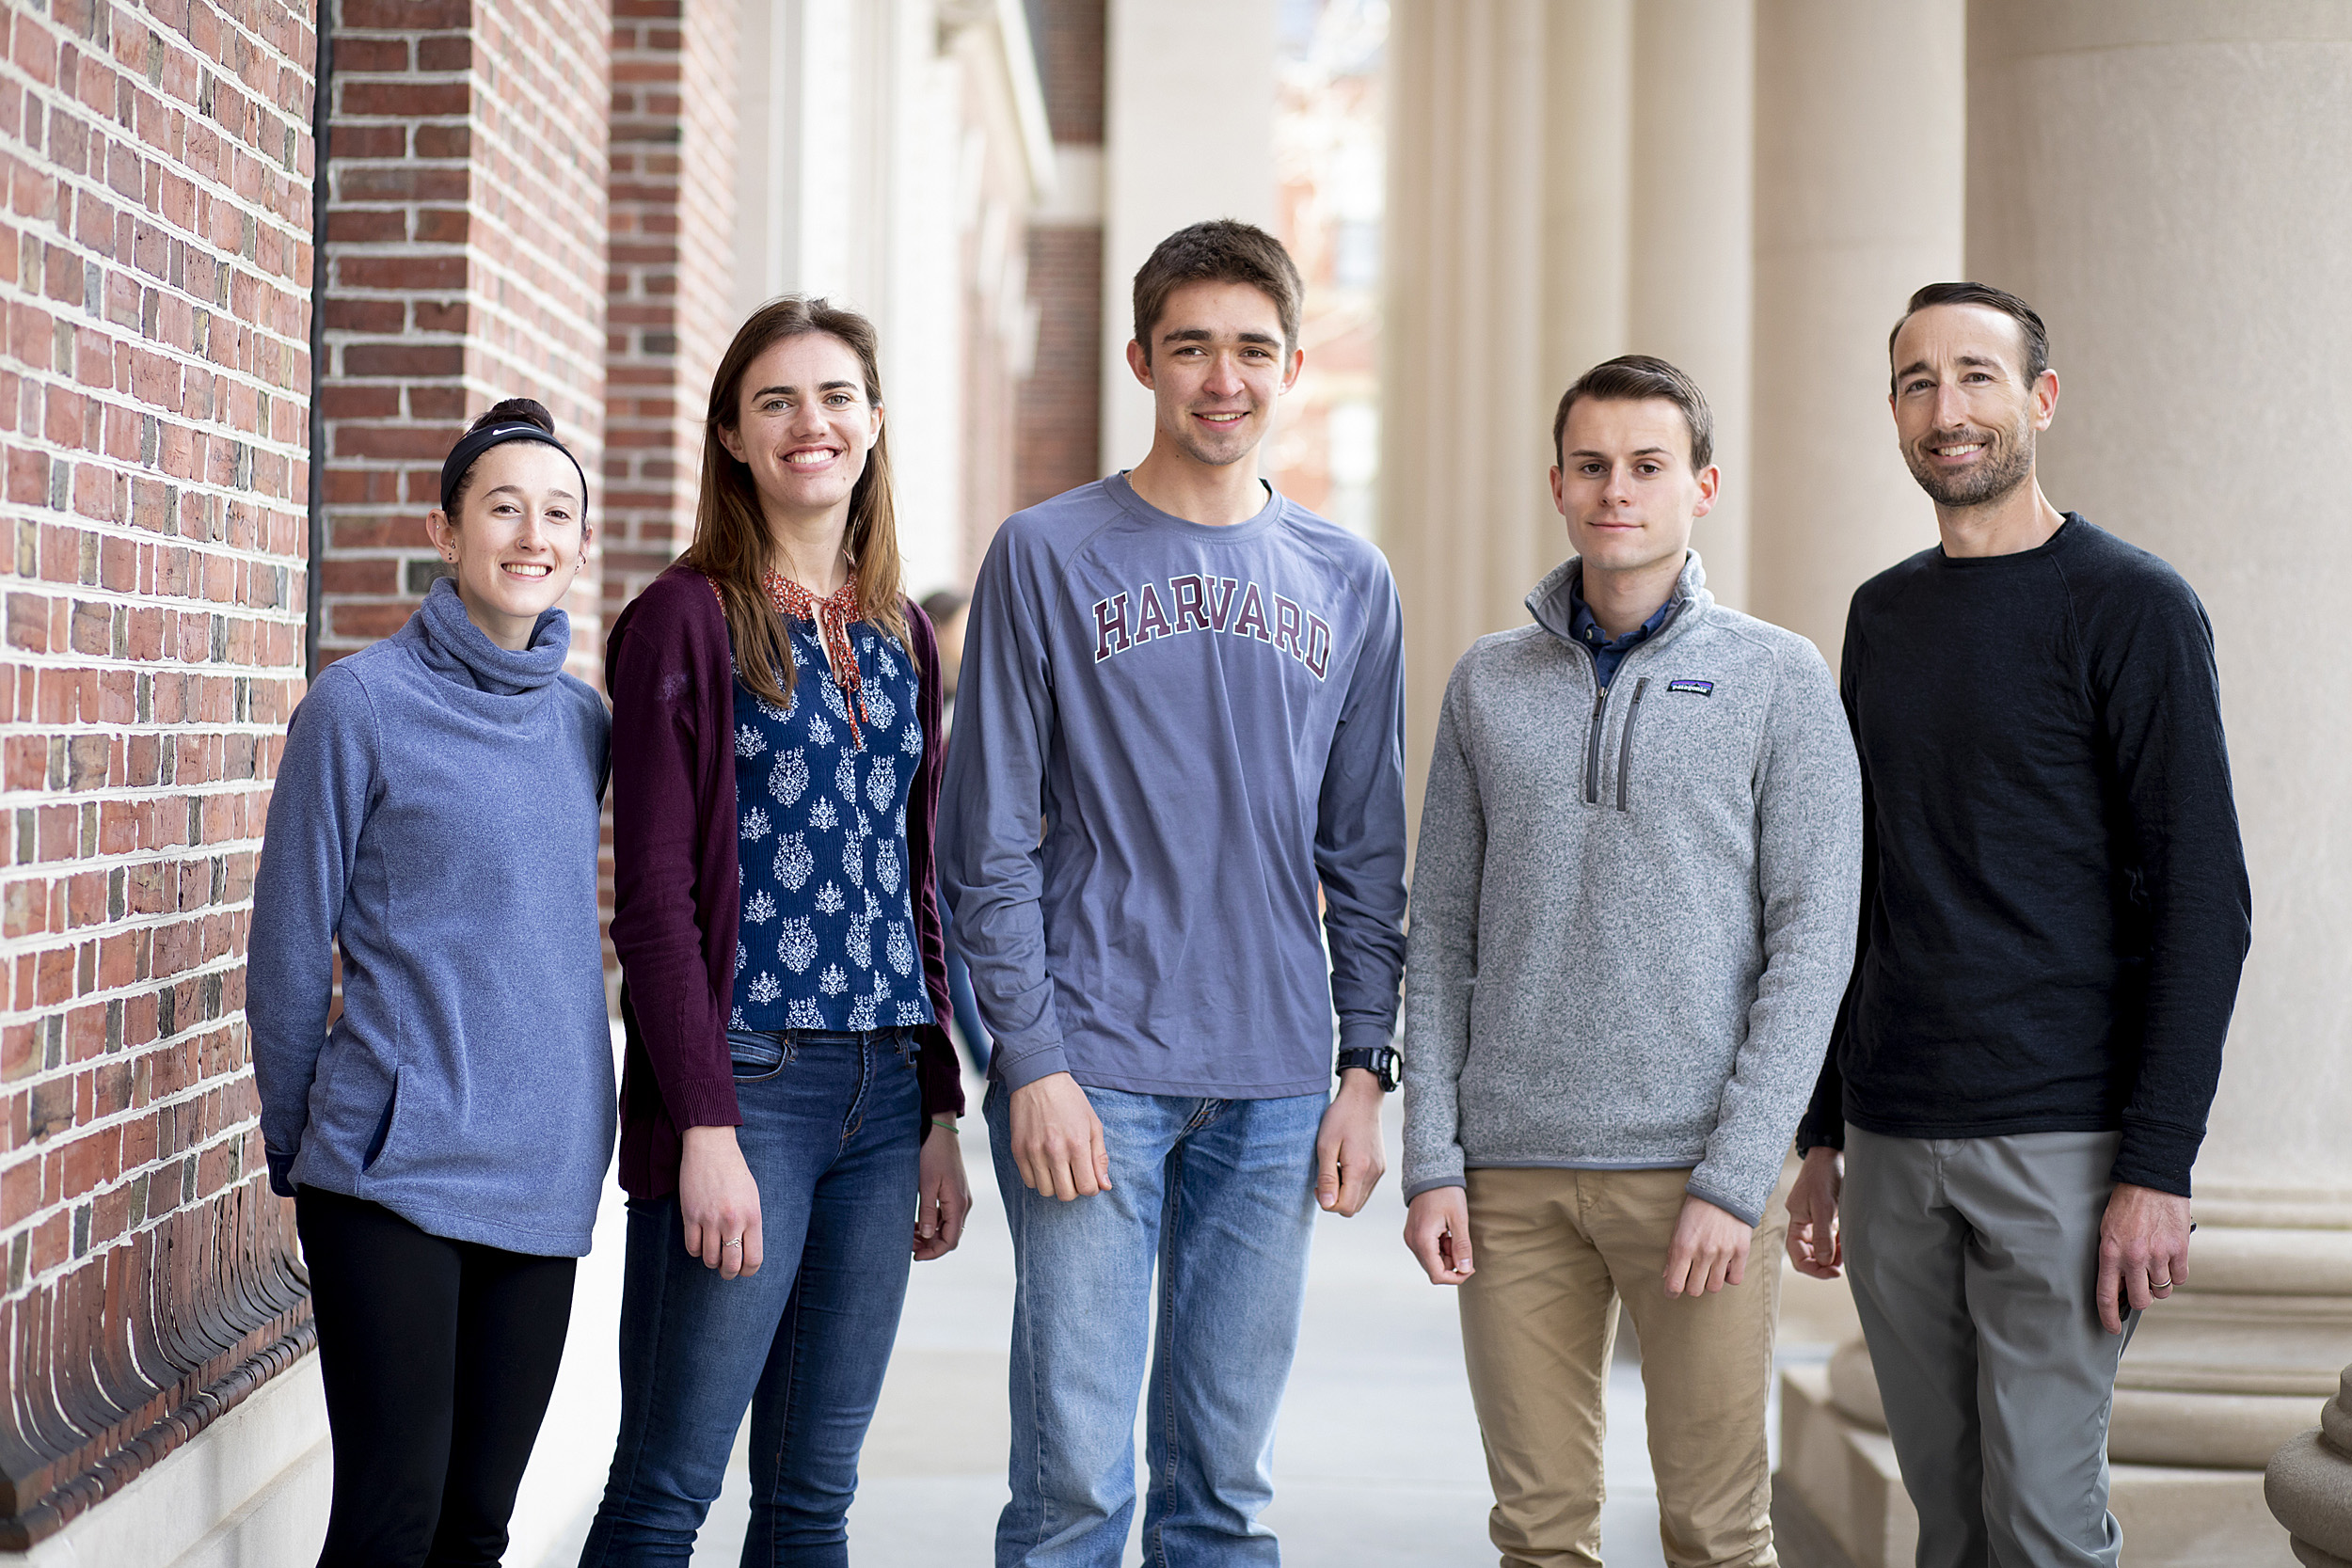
{"x":831,"y":1130}
{"x":1219,"y":1193}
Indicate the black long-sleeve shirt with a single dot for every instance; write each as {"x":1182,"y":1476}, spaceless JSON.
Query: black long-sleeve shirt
{"x":2055,"y":908}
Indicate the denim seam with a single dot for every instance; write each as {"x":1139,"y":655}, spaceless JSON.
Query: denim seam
{"x":1044,"y":1526}
{"x":788,"y":1325}
{"x":855,"y":1118}
{"x":1171,"y":1219}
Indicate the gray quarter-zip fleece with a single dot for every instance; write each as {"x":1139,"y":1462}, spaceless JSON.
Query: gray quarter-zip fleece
{"x":1633,"y":908}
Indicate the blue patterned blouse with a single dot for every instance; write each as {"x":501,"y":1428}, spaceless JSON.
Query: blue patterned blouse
{"x":828,"y":939}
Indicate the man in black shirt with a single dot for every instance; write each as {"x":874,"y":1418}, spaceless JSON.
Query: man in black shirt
{"x":2054,"y":914}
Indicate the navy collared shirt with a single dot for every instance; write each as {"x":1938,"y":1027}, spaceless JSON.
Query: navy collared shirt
{"x":1608,"y":653}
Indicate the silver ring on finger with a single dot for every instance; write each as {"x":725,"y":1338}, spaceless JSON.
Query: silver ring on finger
{"x":735,"y":1243}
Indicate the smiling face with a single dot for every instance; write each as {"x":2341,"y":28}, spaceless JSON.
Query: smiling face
{"x":1217,"y":366}
{"x":1625,"y":486}
{"x":803,"y":425}
{"x":517,"y":539}
{"x":1964,"y":410}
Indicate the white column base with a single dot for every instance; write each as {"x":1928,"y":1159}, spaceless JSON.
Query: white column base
{"x":1844,"y":1474}
{"x":2309,"y":1485}
{"x":249,"y":1491}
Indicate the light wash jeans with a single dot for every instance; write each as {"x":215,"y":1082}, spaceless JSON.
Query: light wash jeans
{"x":1219,"y":1193}
{"x":832,"y":1123}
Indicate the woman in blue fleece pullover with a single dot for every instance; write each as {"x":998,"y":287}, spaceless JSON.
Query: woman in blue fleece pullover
{"x":445,"y":1139}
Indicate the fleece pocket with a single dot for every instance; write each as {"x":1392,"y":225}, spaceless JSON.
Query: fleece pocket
{"x":386,"y":1136}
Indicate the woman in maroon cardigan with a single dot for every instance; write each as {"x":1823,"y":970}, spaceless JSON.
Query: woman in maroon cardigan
{"x":790,"y":1099}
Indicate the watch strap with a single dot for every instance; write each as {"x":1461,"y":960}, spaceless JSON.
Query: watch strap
{"x":1380,"y":1061}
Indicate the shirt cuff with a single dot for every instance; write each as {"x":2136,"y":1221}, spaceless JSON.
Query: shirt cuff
{"x":2158,"y":1157}
{"x":1019,"y":1073}
{"x":1364,"y":1034}
{"x":704,"y":1104}
{"x":1432,"y":1184}
{"x":1748,"y":1214}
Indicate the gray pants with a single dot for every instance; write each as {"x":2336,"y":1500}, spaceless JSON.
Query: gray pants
{"x":1974,"y":1263}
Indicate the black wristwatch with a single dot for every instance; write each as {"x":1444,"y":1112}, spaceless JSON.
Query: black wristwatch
{"x":1378,"y":1060}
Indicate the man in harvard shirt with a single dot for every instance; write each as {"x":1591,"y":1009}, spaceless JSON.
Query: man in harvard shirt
{"x":2054,"y":914}
{"x":1181,"y":719}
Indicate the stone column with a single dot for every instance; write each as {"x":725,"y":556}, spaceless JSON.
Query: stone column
{"x":1508,"y":274}
{"x":1566,"y":184}
{"x":1860,"y":131}
{"x":1693,"y":72}
{"x":1187,"y":135}
{"x":2309,"y":1486}
{"x":2165,"y":185}
{"x":1861,"y":115}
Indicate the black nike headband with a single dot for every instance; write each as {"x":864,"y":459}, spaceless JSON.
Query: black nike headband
{"x":461,"y":458}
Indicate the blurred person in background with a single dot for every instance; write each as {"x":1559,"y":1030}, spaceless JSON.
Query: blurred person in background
{"x":948,"y":610}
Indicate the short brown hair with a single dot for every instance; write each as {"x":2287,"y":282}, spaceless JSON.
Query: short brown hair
{"x":1637,"y":378}
{"x":2029,"y":328}
{"x":1222,"y":250}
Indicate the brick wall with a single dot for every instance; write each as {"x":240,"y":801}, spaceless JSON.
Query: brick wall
{"x":1071,"y":63}
{"x":465,"y":263}
{"x":1058,"y":431}
{"x":1060,"y":410}
{"x":670,"y":285}
{"x":669,"y":288}
{"x":154,"y":275}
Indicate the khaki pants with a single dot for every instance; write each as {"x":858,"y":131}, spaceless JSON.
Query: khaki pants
{"x":1555,"y":1252}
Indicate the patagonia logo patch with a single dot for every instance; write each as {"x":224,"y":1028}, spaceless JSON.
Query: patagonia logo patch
{"x":1696,"y":688}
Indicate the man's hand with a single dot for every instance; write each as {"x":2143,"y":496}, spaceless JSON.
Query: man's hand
{"x":1814,"y":1244}
{"x":944,"y":1197}
{"x":718,"y":1202}
{"x":2143,"y":1250}
{"x":1709,"y":1249}
{"x":1348,"y":1157}
{"x":1057,"y":1139}
{"x":1437,"y":1227}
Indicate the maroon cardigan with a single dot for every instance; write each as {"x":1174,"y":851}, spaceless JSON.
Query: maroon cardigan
{"x":677,"y":893}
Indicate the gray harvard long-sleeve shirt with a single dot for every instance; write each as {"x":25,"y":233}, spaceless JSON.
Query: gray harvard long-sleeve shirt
{"x":1168,"y":735}
{"x":1633,"y":907}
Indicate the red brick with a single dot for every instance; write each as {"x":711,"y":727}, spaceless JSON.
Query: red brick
{"x":142,"y":405}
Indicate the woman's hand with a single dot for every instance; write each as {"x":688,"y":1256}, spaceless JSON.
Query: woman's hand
{"x":943,"y":1196}
{"x":718,"y":1202}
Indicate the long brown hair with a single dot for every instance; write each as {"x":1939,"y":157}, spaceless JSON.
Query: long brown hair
{"x":730,"y":544}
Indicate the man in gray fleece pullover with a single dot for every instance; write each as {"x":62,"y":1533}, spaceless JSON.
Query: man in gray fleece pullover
{"x":1634,"y":913}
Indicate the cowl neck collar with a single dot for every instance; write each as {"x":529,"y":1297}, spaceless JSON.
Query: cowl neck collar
{"x":455,"y":648}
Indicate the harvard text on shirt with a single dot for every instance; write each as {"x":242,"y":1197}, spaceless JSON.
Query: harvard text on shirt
{"x":1194,"y":603}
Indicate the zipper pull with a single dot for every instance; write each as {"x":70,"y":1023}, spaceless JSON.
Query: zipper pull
{"x":1624,"y":745}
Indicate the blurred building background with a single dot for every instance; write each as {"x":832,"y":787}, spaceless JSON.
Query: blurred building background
{"x":261,"y":260}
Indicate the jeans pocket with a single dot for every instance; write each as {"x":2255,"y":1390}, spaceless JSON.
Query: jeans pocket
{"x":910,"y":1049}
{"x":758,"y":1056}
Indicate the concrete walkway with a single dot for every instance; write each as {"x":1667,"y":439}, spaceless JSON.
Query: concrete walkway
{"x":1378,"y":1465}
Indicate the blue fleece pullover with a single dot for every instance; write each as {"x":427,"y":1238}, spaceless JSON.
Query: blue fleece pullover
{"x":437,"y":812}
{"x":1168,"y":735}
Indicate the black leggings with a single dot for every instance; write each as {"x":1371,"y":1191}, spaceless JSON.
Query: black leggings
{"x":439,"y":1358}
